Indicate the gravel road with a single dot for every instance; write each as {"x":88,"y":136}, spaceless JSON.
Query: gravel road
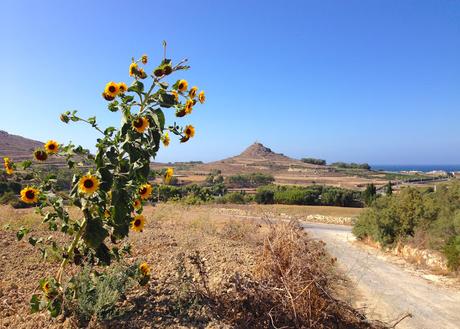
{"x":389,"y":290}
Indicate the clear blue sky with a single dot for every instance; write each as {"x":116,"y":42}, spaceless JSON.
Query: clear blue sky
{"x":373,"y":81}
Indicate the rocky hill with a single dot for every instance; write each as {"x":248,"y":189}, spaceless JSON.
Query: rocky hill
{"x":17,"y":147}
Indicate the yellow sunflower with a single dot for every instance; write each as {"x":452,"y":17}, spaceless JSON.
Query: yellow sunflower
{"x":141,"y":73}
{"x":122,"y":87}
{"x":188,"y":106}
{"x":107,"y":97}
{"x":144,"y":59}
{"x":189,"y":131}
{"x":140,"y":124}
{"x":192,"y":92}
{"x":9,"y":165}
{"x":201,"y":97}
{"x":168,"y":175}
{"x":137,"y":204}
{"x":145,"y":269}
{"x":133,"y":69}
{"x":46,"y":287}
{"x":182,"y":85}
{"x":145,"y":191}
{"x":51,"y":147}
{"x":40,"y":155}
{"x":29,"y":194}
{"x":166,"y":139}
{"x":88,"y":184}
{"x":111,"y":89}
{"x":138,"y":222}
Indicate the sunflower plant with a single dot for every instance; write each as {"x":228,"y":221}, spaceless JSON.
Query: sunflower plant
{"x":111,"y":186}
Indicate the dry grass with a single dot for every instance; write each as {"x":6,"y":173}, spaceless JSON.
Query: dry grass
{"x":208,"y":272}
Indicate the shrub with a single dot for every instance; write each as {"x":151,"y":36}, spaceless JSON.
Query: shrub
{"x":314,"y":161}
{"x":249,"y":180}
{"x":265,"y":196}
{"x":351,"y":165}
{"x":89,"y":294}
{"x":434,"y":215}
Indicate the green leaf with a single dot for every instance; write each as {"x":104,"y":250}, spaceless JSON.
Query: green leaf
{"x":107,"y":178}
{"x":94,"y":233}
{"x":166,"y":100}
{"x":34,"y":304}
{"x":137,"y":87}
{"x":33,"y":241}
{"x":54,"y":307}
{"x":26,"y":164}
{"x":21,"y":233}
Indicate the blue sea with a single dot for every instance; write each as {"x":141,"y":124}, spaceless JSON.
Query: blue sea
{"x":424,"y":168}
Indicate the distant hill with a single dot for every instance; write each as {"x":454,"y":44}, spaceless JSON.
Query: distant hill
{"x":17,"y":147}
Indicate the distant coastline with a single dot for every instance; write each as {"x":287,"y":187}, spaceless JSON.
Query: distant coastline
{"x":423,"y":168}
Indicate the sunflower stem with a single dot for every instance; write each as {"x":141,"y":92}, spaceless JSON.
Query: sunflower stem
{"x":70,"y":250}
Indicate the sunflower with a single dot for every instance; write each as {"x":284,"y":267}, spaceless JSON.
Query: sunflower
{"x":46,"y":287}
{"x":182,"y":85}
{"x":168,"y":175}
{"x":51,"y":147}
{"x":144,"y":59}
{"x":158,"y":72}
{"x":142,"y":74}
{"x":145,"y":191}
{"x":133,"y":69}
{"x":140,"y":124}
{"x":176,"y":95}
{"x":40,"y":155}
{"x":111,"y":89}
{"x":188,"y":106}
{"x":145,"y":269}
{"x":201,"y":97}
{"x":29,"y":194}
{"x":122,"y":87}
{"x":137,"y":204}
{"x":9,"y":165}
{"x":192,"y":92}
{"x":107,"y":97}
{"x":137,"y":224}
{"x":189,"y":131}
{"x":166,"y":139}
{"x":88,"y":184}
{"x":167,"y":69}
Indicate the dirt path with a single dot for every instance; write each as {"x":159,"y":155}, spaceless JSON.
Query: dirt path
{"x":388,"y":290}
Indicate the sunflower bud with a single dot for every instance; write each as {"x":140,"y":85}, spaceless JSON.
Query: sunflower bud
{"x":144,"y":59}
{"x":40,"y":155}
{"x":158,"y":72}
{"x":64,"y":118}
{"x":180,"y":113}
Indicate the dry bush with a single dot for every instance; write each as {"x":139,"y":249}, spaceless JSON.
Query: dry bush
{"x":290,"y":288}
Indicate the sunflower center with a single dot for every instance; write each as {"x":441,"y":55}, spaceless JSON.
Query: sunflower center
{"x":181,"y":85}
{"x":51,"y":146}
{"x":88,"y":183}
{"x":187,"y":132}
{"x":30,"y":194}
{"x":112,"y":89}
{"x":137,"y":222}
{"x":138,"y":123}
{"x":143,"y":190}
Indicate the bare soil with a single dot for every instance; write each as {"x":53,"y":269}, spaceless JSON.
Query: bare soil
{"x":246,"y":282}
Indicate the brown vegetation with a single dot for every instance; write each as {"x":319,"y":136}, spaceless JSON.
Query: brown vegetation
{"x":207,"y":271}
